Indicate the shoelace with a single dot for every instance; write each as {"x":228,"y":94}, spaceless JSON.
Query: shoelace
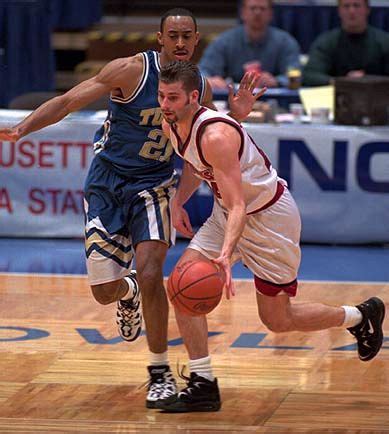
{"x":191,"y":383}
{"x":128,"y":318}
{"x":128,"y":310}
{"x":180,"y":372}
{"x":158,"y":380}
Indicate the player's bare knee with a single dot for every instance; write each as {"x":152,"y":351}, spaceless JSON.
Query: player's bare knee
{"x":277,"y":324}
{"x":104,"y":293}
{"x":149,"y":278}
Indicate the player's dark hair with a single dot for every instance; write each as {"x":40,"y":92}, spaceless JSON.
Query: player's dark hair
{"x":175,"y":12}
{"x":186,"y":72}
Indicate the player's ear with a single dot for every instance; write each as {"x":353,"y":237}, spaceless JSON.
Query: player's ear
{"x":159,"y":39}
{"x":197,"y":38}
{"x":194,"y":96}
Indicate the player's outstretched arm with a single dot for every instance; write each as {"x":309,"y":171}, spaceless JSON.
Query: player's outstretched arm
{"x":112,"y":76}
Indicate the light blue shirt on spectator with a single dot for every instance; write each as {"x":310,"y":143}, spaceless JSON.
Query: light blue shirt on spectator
{"x":276,"y":51}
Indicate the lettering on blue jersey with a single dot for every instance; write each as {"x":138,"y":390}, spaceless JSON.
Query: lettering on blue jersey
{"x":151,"y":116}
{"x":160,"y":148}
{"x":131,"y":139}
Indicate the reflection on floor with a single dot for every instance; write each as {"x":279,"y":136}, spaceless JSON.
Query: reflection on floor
{"x":66,"y":256}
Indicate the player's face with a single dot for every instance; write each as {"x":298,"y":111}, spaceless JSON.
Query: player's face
{"x":178,"y":38}
{"x":175,"y":102}
{"x":354,"y":15}
{"x":256,"y":14}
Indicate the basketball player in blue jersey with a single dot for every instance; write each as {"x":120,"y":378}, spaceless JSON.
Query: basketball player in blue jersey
{"x":130,"y":183}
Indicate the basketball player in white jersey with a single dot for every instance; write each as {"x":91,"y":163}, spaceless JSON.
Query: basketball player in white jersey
{"x":254,"y":219}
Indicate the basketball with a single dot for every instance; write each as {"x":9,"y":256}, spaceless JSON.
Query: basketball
{"x":195,"y":287}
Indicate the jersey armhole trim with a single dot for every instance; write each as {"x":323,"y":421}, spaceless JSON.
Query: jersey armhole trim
{"x":203,"y":85}
{"x":200,"y":131}
{"x":140,"y":85}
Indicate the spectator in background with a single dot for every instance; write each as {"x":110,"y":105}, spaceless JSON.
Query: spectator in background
{"x":254,"y":44}
{"x":353,"y":50}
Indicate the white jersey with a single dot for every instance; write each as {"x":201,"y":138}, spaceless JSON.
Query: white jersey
{"x":260,"y":182}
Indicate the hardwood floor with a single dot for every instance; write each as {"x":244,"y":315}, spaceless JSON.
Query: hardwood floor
{"x":63,"y":367}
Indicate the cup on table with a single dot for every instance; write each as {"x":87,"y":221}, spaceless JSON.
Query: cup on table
{"x":297,"y":111}
{"x":320,"y":115}
{"x":294,"y":78}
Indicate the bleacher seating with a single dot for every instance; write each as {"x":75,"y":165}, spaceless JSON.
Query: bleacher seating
{"x":100,"y":30}
{"x":203,"y":8}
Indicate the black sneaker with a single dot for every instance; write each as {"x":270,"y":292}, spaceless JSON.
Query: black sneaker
{"x":161,"y":385}
{"x":129,"y":314}
{"x":199,"y":395}
{"x":369,"y":333}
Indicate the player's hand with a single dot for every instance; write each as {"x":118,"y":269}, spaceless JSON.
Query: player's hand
{"x":241,"y":103}
{"x":223,"y":262}
{"x":9,"y":134}
{"x":180,"y":220}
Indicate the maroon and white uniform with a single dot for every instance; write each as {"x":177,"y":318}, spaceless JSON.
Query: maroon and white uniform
{"x":269,"y":245}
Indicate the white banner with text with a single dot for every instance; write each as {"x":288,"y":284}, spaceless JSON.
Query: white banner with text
{"x":338,"y":175}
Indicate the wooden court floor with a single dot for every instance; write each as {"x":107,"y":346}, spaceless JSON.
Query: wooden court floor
{"x":64,"y":369}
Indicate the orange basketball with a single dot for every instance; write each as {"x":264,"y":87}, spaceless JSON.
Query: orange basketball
{"x":195,"y":287}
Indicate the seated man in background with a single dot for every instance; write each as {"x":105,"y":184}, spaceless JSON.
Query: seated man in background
{"x":252,"y":45}
{"x":353,"y":50}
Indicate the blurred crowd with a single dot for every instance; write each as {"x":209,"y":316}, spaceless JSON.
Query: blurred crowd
{"x":354,"y":49}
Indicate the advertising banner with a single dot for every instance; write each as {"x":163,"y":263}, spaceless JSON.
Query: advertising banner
{"x":339,"y":177}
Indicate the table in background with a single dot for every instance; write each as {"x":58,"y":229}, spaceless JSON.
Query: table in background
{"x":283,"y":96}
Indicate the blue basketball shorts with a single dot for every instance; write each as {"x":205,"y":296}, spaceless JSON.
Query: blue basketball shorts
{"x":121,"y":213}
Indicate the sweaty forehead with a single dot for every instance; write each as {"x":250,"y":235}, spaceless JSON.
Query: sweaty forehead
{"x":178,"y":23}
{"x":170,"y":88}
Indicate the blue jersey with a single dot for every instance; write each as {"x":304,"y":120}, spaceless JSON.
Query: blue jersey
{"x":131,"y":139}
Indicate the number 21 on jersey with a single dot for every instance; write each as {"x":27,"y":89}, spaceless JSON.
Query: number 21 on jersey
{"x":158,"y":148}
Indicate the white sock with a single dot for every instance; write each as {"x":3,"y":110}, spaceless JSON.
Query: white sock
{"x":202,"y":367}
{"x":352,"y":316}
{"x":131,"y":287}
{"x":157,"y":359}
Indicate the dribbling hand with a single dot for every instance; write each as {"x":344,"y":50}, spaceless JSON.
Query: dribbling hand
{"x":224,"y":265}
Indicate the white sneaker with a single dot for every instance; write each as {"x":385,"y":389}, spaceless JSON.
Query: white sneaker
{"x":129,"y":313}
{"x":162,"y":385}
